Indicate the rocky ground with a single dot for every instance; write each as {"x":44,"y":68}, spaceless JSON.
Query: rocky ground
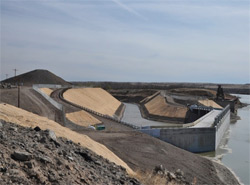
{"x":33,"y":156}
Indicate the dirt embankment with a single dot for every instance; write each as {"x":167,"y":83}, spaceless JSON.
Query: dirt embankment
{"x":95,"y":99}
{"x":210,"y":103}
{"x":33,"y":156}
{"x":21,"y":117}
{"x":82,"y":118}
{"x":143,"y":153}
{"x":158,"y":108}
{"x":31,"y":101}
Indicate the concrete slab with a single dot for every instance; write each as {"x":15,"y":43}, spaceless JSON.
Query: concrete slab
{"x":207,"y":120}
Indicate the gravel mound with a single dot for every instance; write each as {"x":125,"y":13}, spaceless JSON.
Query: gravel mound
{"x":34,"y":156}
{"x":38,"y":76}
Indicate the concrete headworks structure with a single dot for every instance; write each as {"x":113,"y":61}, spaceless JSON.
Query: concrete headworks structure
{"x":202,"y":135}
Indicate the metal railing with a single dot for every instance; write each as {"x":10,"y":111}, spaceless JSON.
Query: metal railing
{"x":219,"y":117}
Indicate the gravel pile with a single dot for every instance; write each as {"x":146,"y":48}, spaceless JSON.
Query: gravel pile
{"x":34,"y":156}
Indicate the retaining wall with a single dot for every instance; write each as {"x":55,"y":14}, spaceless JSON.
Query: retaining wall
{"x":191,"y":139}
{"x":52,"y":86}
{"x":222,"y":125}
{"x":194,"y":139}
{"x":53,"y":102}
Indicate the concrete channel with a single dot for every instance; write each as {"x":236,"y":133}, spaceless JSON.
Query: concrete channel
{"x":203,"y":135}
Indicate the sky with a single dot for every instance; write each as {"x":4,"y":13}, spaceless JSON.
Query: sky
{"x":128,"y":40}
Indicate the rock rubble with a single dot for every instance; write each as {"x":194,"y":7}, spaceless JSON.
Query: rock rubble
{"x":33,"y":156}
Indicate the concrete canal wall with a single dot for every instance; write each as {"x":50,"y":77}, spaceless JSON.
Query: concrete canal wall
{"x":202,"y":139}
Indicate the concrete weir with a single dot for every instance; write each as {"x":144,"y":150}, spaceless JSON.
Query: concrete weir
{"x":203,"y":138}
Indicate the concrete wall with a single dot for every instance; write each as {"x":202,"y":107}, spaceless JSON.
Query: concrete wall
{"x":224,"y":126}
{"x":191,"y":139}
{"x":224,"y":103}
{"x":194,"y":139}
{"x":52,"y":86}
{"x":53,"y":102}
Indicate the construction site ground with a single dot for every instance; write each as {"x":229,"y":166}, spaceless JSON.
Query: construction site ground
{"x":140,"y":151}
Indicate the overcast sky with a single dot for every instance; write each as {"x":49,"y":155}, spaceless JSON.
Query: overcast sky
{"x":128,"y":40}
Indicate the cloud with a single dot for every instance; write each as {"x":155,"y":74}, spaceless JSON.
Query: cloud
{"x":94,"y":41}
{"x":130,"y":10}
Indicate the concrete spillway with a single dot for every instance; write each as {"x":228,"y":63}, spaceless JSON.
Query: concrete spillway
{"x":202,"y":135}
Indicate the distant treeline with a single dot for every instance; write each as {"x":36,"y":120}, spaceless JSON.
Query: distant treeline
{"x":228,"y":88}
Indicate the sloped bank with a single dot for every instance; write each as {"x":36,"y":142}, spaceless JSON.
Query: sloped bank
{"x":34,"y":156}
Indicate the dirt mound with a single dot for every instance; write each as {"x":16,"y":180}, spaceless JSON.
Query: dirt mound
{"x":21,"y":117}
{"x":38,"y":76}
{"x":95,"y":99}
{"x":34,"y":156}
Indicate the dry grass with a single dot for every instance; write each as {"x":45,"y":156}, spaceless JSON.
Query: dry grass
{"x":24,"y":118}
{"x":148,"y":178}
{"x":46,"y":91}
{"x":158,"y":106}
{"x":82,"y":118}
{"x":95,"y":99}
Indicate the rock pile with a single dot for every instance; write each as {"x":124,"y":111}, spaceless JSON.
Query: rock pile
{"x":176,"y":177}
{"x":34,"y":156}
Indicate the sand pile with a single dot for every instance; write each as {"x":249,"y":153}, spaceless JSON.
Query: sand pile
{"x":95,"y":99}
{"x":21,"y":117}
{"x":82,"y":118}
{"x":158,"y":106}
{"x":210,"y":103}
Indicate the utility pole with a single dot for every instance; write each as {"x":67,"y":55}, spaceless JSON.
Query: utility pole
{"x":6,"y":76}
{"x":15,"y":71}
{"x":18,"y":96}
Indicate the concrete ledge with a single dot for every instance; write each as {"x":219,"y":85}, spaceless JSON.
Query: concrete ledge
{"x":53,"y":102}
